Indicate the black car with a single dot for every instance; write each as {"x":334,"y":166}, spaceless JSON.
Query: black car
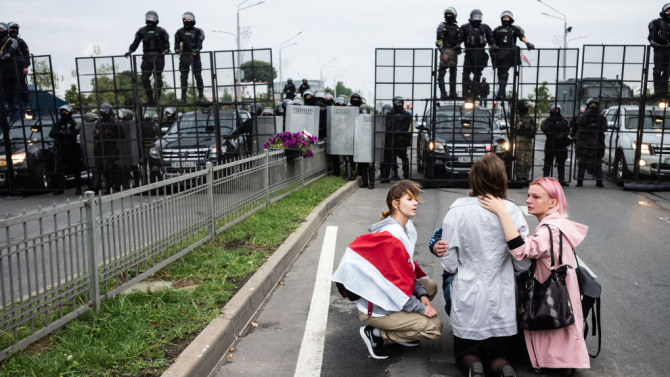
{"x":191,"y":142}
{"x":451,"y":141}
{"x":33,"y":154}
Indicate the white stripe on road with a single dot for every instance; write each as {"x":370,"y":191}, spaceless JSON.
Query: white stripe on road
{"x":582,"y":264}
{"x":311,"y":350}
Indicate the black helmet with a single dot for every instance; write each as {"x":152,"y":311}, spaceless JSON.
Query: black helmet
{"x":255,"y":108}
{"x":355,"y":95}
{"x":451,"y":10}
{"x":13,"y":29}
{"x":592,"y":100}
{"x":3,"y":29}
{"x":523,"y":106}
{"x":170,"y":112}
{"x":664,"y":9}
{"x":190,"y":16}
{"x":151,"y":18}
{"x":267,"y":111}
{"x":328,"y":99}
{"x":289,"y":80}
{"x":65,"y":111}
{"x":476,"y":15}
{"x":554,"y":106}
{"x":298,"y":102}
{"x":106,"y":110}
{"x":356,"y":99}
{"x":304,"y":80}
{"x":397,"y":99}
{"x":508,"y":14}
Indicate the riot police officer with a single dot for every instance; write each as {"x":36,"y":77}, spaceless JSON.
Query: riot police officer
{"x":308,"y":97}
{"x":484,"y":91}
{"x":107,"y":155}
{"x":447,"y":43}
{"x":67,"y":149}
{"x":349,"y":160}
{"x":356,"y":100}
{"x":341,"y":101}
{"x":279,"y":109}
{"x":23,"y":63}
{"x":304,"y":86}
{"x":525,"y":129}
{"x":188,"y":44}
{"x":557,"y":131}
{"x":591,"y":128}
{"x":507,"y":55}
{"x":474,"y":35}
{"x":659,"y":39}
{"x":399,"y":128}
{"x":9,"y":52}
{"x":169,"y":118}
{"x":289,"y":89}
{"x":155,"y":43}
{"x":366,"y":169}
{"x":328,"y":99}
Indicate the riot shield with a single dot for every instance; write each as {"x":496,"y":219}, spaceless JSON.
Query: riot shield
{"x":380,"y":137}
{"x":340,"y":123}
{"x":363,"y":138}
{"x":299,"y":118}
{"x":128,"y":145}
{"x":265,"y":126}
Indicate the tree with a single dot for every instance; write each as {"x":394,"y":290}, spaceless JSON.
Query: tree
{"x":42,"y":76}
{"x":258,"y":70}
{"x":342,"y":90}
{"x":72,"y":96}
{"x":542,"y":98}
{"x":329,"y":90}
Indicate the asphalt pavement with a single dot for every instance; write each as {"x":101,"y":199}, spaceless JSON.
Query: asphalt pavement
{"x":300,"y":333}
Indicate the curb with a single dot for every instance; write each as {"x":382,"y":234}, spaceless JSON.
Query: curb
{"x":209,"y":348}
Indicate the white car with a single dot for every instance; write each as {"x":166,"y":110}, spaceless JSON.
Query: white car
{"x":621,"y":137}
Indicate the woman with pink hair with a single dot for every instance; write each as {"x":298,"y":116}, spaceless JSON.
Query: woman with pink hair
{"x":564,"y":347}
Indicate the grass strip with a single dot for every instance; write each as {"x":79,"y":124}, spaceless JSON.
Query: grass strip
{"x":140,"y":334}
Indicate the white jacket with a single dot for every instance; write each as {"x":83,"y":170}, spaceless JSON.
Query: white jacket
{"x":483,"y":291}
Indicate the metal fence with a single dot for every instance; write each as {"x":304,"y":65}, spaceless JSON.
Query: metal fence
{"x":57,"y":263}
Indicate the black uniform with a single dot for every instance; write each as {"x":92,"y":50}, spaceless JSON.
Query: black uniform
{"x":304,"y":87}
{"x":400,"y":124}
{"x":659,"y":38}
{"x":22,"y":66}
{"x":476,"y":58}
{"x":557,"y":131}
{"x":289,"y":91}
{"x":590,"y":135}
{"x":484,"y":91}
{"x":67,"y":150}
{"x":188,"y":43}
{"x":9,"y":62}
{"x":155,"y":44}
{"x":447,"y":42}
{"x":507,"y":55}
{"x":107,"y":155}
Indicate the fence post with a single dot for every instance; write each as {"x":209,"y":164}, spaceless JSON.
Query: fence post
{"x":93,"y":246}
{"x":266,"y":177}
{"x":302,"y":172}
{"x":210,"y":194}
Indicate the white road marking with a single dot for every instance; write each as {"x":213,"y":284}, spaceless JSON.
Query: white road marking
{"x":311,"y":350}
{"x":582,"y":264}
{"x":524,"y":209}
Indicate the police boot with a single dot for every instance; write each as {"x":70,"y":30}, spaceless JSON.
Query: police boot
{"x":347,"y":169}
{"x":201,"y":97}
{"x":561,"y":176}
{"x":183,"y":96}
{"x":371,"y":176}
{"x":364,"y":176}
{"x":395,"y":174}
{"x":150,"y":98}
{"x":443,"y":90}
{"x":452,"y":90}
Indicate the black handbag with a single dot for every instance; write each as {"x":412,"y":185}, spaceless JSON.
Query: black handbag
{"x":590,"y":291}
{"x":545,"y":306}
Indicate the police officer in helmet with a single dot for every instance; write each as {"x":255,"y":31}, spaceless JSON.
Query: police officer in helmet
{"x":107,"y":154}
{"x":9,"y":50}
{"x":155,"y":44}
{"x":659,"y":39}
{"x":67,"y":149}
{"x":308,"y":97}
{"x":24,"y":62}
{"x":557,"y":130}
{"x":397,"y":139}
{"x":449,"y":47}
{"x":507,"y":55}
{"x":188,"y":44}
{"x":590,"y":136}
{"x":304,"y":86}
{"x":289,"y":89}
{"x":475,"y":35}
{"x":356,"y":100}
{"x":524,"y":135}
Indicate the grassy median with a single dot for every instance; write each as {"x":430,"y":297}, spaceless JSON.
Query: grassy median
{"x":140,"y":334}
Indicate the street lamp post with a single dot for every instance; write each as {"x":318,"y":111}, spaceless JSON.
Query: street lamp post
{"x":281,"y":46}
{"x":335,"y":81}
{"x":574,"y":39}
{"x":322,"y":68}
{"x":566,"y":30}
{"x":239,"y":64}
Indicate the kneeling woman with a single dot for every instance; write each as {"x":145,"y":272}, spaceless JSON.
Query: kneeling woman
{"x":379,"y":267}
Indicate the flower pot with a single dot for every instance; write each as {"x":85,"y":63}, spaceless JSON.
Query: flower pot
{"x":291,"y":154}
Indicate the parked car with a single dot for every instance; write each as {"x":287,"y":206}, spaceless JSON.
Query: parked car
{"x":621,"y":138}
{"x":191,"y":142}
{"x":457,"y":139}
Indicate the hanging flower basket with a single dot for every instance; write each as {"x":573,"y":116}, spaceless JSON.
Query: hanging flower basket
{"x":294,"y":144}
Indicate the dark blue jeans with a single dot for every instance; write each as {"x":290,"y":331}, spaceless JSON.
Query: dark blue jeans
{"x":447,"y":278}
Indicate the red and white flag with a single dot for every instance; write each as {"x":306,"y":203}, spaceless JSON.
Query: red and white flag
{"x":526,"y":59}
{"x":378,"y":268}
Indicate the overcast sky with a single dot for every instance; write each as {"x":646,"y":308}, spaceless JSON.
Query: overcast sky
{"x":347,"y":30}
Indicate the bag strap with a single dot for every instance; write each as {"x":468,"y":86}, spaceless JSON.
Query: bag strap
{"x":597,"y":320}
{"x":551,"y":244}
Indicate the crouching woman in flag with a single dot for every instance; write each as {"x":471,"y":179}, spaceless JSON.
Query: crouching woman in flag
{"x":395,"y":295}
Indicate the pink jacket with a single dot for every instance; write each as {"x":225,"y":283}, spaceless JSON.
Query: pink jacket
{"x":565,"y":347}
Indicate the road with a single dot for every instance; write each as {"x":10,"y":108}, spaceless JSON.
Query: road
{"x":626,"y":247}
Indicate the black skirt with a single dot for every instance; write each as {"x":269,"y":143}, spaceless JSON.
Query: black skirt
{"x":486,"y":349}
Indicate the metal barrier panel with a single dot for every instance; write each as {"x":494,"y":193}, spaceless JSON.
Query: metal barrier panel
{"x":302,"y":118}
{"x":340,"y":122}
{"x":265,"y":127}
{"x":364,"y":133}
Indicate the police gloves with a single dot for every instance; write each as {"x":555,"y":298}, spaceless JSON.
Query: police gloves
{"x":530,"y":46}
{"x":654,"y":44}
{"x":127,"y":54}
{"x":458,"y":50}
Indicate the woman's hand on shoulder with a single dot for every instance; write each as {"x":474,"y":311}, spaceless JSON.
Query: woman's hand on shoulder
{"x":493,"y":204}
